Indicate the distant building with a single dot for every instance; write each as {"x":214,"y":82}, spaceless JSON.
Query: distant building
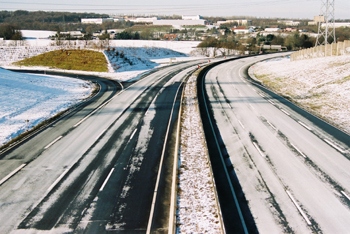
{"x":179,"y":22}
{"x":143,"y":20}
{"x":192,"y":17}
{"x":171,"y":37}
{"x":289,"y":22}
{"x":95,"y":20}
{"x":338,"y":25}
{"x":272,"y":29}
{"x":240,"y":22}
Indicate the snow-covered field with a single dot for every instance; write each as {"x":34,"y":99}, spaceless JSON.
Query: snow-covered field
{"x":322,"y":85}
{"x":197,"y":205}
{"x":26,"y":100}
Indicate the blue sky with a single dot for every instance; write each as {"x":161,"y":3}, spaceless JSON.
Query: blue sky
{"x":305,"y":9}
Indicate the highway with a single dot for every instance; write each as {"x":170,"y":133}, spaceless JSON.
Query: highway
{"x":95,"y":170}
{"x":287,"y":170}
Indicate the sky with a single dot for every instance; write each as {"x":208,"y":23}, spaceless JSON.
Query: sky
{"x":298,"y":9}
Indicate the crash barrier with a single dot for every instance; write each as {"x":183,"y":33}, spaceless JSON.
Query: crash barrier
{"x":334,"y":49}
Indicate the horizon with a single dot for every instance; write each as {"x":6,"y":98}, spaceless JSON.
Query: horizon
{"x":250,"y":8}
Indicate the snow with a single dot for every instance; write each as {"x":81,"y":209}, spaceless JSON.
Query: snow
{"x":197,"y":205}
{"x":26,"y":100}
{"x":322,"y":85}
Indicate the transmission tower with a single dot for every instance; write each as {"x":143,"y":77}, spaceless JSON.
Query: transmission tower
{"x":326,"y":30}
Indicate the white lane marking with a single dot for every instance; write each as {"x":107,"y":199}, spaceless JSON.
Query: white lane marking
{"x":251,"y":106}
{"x":345,"y":195}
{"x":262,"y":95}
{"x":271,"y":125}
{"x":132,"y":135}
{"x":229,"y":105}
{"x":12,"y":173}
{"x":53,"y":142}
{"x":285,"y":112}
{"x":257,"y":147}
{"x":299,"y":208}
{"x":254,"y":89}
{"x":106,"y":180}
{"x":298,"y":150}
{"x":304,"y":125}
{"x":101,"y":134}
{"x":241,"y":124}
{"x":334,"y":146}
{"x":271,"y":102}
{"x":57,"y":180}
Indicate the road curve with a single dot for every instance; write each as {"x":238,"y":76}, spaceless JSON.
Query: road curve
{"x":95,"y":171}
{"x":288,"y":168}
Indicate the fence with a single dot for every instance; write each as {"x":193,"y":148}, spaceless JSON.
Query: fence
{"x":334,"y":49}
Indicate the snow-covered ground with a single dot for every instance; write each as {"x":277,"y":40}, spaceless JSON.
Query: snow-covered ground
{"x":197,"y":205}
{"x":322,"y":85}
{"x":26,"y":100}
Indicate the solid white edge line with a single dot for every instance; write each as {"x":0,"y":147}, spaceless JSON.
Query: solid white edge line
{"x":12,"y":173}
{"x":285,"y":112}
{"x":299,"y":208}
{"x":257,"y":147}
{"x":57,"y":180}
{"x":225,"y":169}
{"x":132,"y":135}
{"x":298,"y":150}
{"x":345,"y":195}
{"x":304,"y":125}
{"x":101,"y":134}
{"x":106,"y":180}
{"x":53,"y":142}
{"x":271,"y":102}
{"x":334,"y":145}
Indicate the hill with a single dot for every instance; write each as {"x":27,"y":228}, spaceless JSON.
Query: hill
{"x":82,"y":60}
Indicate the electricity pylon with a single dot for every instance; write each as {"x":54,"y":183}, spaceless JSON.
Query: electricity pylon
{"x":326,"y":28}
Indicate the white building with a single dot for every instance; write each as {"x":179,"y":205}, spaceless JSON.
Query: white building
{"x":179,"y":22}
{"x":240,"y":22}
{"x":272,"y":29}
{"x":95,"y":20}
{"x":192,"y":17}
{"x":289,"y":22}
{"x":337,"y":25}
{"x":143,"y":20}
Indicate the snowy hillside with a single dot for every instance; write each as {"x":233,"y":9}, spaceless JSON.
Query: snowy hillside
{"x":322,"y":84}
{"x":138,"y":58}
{"x":33,"y":98}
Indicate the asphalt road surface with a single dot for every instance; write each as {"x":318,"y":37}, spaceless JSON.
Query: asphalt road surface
{"x":95,"y":170}
{"x":292,"y":168}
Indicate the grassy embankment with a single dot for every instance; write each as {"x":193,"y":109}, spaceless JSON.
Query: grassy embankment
{"x":82,"y":60}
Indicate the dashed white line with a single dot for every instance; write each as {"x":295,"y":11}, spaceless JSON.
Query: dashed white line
{"x":260,"y":152}
{"x":271,"y":125}
{"x":241,"y":124}
{"x":298,"y":150}
{"x":285,"y":112}
{"x":262,"y":95}
{"x":53,"y":142}
{"x":347,"y":196}
{"x":251,"y":106}
{"x":12,"y":173}
{"x":57,"y":180}
{"x":299,"y":208}
{"x":271,"y":102}
{"x":334,"y":145}
{"x":106,"y":180}
{"x":132,"y":135}
{"x":304,"y":125}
